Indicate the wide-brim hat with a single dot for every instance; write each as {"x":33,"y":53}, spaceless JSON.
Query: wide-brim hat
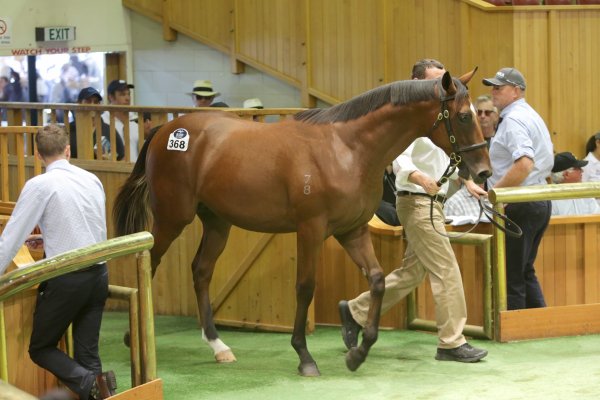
{"x":253,"y":103}
{"x":204,"y":89}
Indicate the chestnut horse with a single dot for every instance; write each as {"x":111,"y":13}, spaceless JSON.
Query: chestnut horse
{"x":318,"y":175}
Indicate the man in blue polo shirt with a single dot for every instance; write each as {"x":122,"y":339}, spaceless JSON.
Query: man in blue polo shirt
{"x":521,"y":154}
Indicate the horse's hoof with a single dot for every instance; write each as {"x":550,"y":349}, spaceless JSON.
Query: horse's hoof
{"x":354,"y":358}
{"x":127,"y":339}
{"x":309,"y":370}
{"x":225,"y":356}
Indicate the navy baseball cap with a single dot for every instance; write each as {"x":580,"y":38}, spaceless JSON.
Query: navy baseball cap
{"x":118,"y":85}
{"x":566,"y":160}
{"x":88,"y":92}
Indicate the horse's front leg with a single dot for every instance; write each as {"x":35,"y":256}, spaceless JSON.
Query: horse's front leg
{"x":214,"y":239}
{"x":309,"y":241}
{"x":359,"y":246}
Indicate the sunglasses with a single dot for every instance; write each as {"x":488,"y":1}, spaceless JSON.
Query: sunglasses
{"x":486,"y":112}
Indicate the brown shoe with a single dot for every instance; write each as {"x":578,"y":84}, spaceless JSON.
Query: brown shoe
{"x":111,"y":382}
{"x":99,"y":389}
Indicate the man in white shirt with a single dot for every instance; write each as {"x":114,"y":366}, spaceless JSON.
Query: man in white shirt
{"x":119,"y":94}
{"x":568,"y":169}
{"x":68,"y":203}
{"x":591,"y":172}
{"x":427,"y":252}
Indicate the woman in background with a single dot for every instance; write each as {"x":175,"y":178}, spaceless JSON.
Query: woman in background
{"x":591,"y":172}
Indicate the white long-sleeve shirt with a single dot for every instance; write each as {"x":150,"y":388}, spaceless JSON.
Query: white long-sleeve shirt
{"x":67,"y":202}
{"x":133,"y":134}
{"x":424,"y":156}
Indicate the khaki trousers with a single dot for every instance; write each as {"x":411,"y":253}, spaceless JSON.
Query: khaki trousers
{"x":426,"y":252}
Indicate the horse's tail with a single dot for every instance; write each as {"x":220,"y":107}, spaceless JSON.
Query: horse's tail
{"x":130,"y":212}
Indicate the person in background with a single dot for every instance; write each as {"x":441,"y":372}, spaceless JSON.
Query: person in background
{"x":89,"y":95}
{"x":66,"y":89}
{"x":419,"y":208}
{"x":203,"y":95}
{"x":68,"y":203}
{"x":119,"y":94}
{"x":487,"y":115}
{"x":567,"y":169}
{"x":387,"y":206}
{"x":521,"y":154}
{"x":591,"y":172}
{"x":253,"y":103}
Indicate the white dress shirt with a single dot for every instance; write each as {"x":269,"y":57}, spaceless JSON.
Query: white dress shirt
{"x":424,"y":156}
{"x":67,"y":202}
{"x":575,"y":207}
{"x":133,"y":134}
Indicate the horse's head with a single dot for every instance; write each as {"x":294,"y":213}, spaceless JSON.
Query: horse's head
{"x":461,"y":135}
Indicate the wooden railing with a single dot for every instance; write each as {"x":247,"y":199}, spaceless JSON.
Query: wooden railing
{"x":141,"y":317}
{"x":86,"y":123}
{"x":551,"y":321}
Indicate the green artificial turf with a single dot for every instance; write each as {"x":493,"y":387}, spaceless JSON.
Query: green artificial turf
{"x":401,"y":365}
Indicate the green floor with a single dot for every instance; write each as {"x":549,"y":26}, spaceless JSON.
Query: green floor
{"x":400,"y":366}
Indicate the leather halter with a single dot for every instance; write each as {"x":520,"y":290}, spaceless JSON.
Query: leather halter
{"x":455,"y":158}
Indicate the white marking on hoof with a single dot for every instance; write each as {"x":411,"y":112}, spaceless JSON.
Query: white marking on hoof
{"x":225,"y":357}
{"x":222,"y":352}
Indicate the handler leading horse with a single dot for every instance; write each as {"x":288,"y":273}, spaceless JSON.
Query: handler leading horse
{"x":317,"y":175}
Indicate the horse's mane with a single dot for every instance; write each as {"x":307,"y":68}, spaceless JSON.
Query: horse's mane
{"x":397,"y":93}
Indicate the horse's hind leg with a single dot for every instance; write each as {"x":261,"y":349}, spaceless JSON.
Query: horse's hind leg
{"x":360,"y":248}
{"x":214,"y":238}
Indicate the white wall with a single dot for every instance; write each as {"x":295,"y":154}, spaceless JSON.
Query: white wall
{"x":103,"y":26}
{"x":164,"y":71}
{"x":161,"y":71}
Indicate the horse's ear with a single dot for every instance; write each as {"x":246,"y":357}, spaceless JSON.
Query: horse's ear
{"x":467,"y":77}
{"x":448,"y":84}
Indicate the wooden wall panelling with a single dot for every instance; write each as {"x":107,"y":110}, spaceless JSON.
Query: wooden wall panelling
{"x":22,"y":372}
{"x":421,"y":29}
{"x":591,"y":244}
{"x":346,"y":48}
{"x":271,"y":35}
{"x":573,"y":54}
{"x":210,"y":22}
{"x":531,"y":57}
{"x":338,"y":278}
{"x":487,"y":50}
{"x":150,"y":8}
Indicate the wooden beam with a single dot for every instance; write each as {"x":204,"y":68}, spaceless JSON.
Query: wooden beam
{"x":535,"y":323}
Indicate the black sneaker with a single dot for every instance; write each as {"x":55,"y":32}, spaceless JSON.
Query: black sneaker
{"x":465,"y":353}
{"x":350,"y":328}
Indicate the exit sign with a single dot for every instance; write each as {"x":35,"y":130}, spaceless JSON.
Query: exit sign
{"x":55,"y":34}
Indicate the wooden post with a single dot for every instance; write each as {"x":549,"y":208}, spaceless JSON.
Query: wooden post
{"x":148,"y":351}
{"x":3,"y":350}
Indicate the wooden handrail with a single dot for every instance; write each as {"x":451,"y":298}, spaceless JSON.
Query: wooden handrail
{"x":75,"y":260}
{"x":21,"y":279}
{"x":498,"y":197}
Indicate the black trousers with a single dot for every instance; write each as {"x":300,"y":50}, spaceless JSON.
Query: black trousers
{"x":523,"y":288}
{"x":76,"y":298}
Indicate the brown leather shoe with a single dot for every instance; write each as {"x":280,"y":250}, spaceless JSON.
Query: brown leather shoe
{"x":111,"y":382}
{"x":99,"y":389}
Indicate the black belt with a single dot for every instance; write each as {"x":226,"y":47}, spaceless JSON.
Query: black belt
{"x":438,"y":197}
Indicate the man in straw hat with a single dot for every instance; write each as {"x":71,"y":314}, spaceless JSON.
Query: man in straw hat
{"x":203,"y":95}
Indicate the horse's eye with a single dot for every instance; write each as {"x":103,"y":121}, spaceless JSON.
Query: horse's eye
{"x":465,"y":117}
